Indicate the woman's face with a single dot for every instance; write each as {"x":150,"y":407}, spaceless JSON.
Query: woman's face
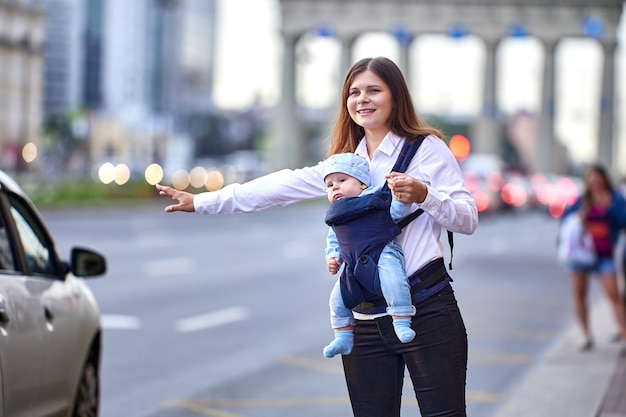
{"x":370,"y":103}
{"x":594,"y":180}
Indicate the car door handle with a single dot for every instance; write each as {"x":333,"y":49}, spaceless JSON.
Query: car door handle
{"x":4,"y":316}
{"x":48,"y":314}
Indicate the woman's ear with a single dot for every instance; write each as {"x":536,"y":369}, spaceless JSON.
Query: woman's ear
{"x":363,"y":186}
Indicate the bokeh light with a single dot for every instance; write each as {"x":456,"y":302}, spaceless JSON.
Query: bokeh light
{"x":460,"y":147}
{"x":196,"y":177}
{"x":180,"y":179}
{"x":153,"y":174}
{"x":106,"y":173}
{"x":29,"y":152}
{"x":481,"y":199}
{"x":122,"y":174}
{"x":214,"y":180}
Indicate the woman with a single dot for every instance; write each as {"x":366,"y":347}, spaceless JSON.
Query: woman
{"x":376,"y":116}
{"x":602,"y":210}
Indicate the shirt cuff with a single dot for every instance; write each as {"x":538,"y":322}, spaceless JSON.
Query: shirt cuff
{"x":431,"y":203}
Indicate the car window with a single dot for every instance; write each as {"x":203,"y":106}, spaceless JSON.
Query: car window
{"x":37,"y":248}
{"x":7,"y":262}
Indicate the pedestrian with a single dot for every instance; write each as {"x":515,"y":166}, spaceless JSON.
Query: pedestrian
{"x":622,"y":189}
{"x":375,"y":118}
{"x":602,"y":211}
{"x":346,"y":176}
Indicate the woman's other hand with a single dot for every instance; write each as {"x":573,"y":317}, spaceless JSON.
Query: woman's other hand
{"x":406,"y":189}
{"x":185,"y":199}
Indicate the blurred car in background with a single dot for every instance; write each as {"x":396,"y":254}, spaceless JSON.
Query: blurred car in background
{"x":484,"y":178}
{"x":554,"y":192}
{"x":50,"y":334}
{"x":496,"y":187}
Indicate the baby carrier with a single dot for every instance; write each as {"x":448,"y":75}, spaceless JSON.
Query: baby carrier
{"x":363,"y":226}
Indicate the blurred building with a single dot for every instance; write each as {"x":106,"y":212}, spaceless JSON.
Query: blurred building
{"x":21,"y":79}
{"x":123,"y":74}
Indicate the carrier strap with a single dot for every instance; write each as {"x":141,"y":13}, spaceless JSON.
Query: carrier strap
{"x":402,"y":164}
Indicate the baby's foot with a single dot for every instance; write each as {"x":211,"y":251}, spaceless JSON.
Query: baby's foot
{"x":341,"y":345}
{"x":403,"y":329}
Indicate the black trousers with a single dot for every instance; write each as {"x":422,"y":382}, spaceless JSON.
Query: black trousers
{"x":436,"y":360}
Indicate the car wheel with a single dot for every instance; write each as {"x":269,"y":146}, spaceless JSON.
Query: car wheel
{"x":88,"y":394}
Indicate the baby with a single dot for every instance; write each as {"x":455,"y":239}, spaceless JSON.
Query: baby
{"x":348,"y":175}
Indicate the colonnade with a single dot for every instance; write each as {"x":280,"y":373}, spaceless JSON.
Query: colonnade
{"x":490,"y":20}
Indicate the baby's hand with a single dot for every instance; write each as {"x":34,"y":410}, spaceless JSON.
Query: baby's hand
{"x":332,"y":264}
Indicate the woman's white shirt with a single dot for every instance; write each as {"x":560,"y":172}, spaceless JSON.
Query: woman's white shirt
{"x":448,"y":204}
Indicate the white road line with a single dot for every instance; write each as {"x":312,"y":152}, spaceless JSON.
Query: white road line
{"x":120,"y":322}
{"x":213,"y":319}
{"x":171,"y":266}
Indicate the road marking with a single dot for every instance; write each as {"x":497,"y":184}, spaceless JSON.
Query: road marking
{"x":213,"y":319}
{"x":210,"y":407}
{"x":199,"y":408}
{"x":120,"y":322}
{"x":318,"y":365}
{"x":171,"y":266}
{"x":478,"y":397}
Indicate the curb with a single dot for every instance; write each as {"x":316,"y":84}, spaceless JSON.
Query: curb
{"x":567,"y":382}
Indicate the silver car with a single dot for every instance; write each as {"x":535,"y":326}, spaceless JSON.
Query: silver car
{"x":50,"y":333}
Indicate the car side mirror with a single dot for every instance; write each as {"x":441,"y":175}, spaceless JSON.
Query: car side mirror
{"x":87,"y":263}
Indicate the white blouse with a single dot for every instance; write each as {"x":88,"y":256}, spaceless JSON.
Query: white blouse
{"x":448,"y":204}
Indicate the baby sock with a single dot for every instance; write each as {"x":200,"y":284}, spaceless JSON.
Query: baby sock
{"x":403,"y":329}
{"x":342,"y":344}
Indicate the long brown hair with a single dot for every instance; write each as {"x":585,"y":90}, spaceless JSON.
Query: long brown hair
{"x":404,"y":121}
{"x":606,"y":183}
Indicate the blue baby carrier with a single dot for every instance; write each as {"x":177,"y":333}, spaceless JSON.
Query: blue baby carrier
{"x":363,"y":226}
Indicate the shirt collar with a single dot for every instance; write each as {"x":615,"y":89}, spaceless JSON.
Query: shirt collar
{"x":388,"y":145}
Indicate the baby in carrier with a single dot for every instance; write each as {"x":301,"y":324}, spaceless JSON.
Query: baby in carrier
{"x":358,"y":240}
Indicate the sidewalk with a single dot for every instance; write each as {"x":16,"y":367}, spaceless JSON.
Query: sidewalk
{"x":569,"y":383}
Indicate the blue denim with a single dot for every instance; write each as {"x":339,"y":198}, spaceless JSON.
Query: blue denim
{"x":603,"y":265}
{"x":394,"y":285}
{"x":436,"y":360}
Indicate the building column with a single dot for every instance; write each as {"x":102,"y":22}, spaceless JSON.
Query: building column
{"x":345,"y":57}
{"x":404,"y":38}
{"x":606,"y":145}
{"x":287,"y":147}
{"x":486,"y":131}
{"x":545,"y":146}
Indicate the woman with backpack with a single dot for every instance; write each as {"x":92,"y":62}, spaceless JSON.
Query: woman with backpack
{"x":602,"y":212}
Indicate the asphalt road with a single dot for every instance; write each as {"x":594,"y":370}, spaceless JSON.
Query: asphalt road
{"x":227,"y":315}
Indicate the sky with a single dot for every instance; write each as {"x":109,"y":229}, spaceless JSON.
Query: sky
{"x":447,"y":72}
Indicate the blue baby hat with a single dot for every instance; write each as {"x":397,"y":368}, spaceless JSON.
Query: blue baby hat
{"x":348,"y":163}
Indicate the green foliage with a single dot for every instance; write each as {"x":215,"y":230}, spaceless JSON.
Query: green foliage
{"x":84,"y":193}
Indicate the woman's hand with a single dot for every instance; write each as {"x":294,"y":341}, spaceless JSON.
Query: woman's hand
{"x":185,"y":199}
{"x":406,"y":189}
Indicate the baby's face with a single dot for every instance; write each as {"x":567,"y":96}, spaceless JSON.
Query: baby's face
{"x":341,"y":185}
